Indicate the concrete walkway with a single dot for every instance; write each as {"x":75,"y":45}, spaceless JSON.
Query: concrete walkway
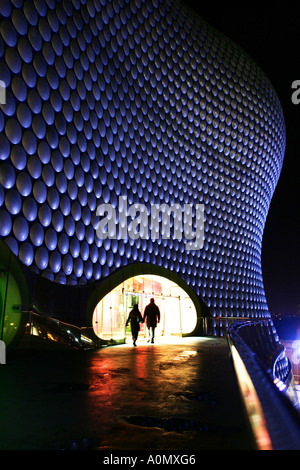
{"x":177,"y":394}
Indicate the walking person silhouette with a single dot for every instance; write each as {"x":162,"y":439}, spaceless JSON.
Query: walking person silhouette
{"x":152,"y":317}
{"x":135,"y":318}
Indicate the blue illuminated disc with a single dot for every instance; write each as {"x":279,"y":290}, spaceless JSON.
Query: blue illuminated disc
{"x":145,"y":102}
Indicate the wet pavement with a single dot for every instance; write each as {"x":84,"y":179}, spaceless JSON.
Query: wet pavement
{"x":178,"y":394}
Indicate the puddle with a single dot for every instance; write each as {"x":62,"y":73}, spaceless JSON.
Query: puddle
{"x":180,"y":425}
{"x":207,"y":397}
{"x":176,"y":359}
{"x":188,"y":353}
{"x":168,"y":424}
{"x":165,"y":365}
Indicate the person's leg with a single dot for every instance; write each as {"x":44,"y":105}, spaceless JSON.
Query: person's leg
{"x":152,"y":334}
{"x":134,"y":336}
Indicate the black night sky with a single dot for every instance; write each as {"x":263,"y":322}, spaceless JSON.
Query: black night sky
{"x":271,"y":36}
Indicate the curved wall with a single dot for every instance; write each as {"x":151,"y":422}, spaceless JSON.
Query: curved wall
{"x":141,"y":99}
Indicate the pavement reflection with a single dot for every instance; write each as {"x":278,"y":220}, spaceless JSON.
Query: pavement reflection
{"x":179,"y":393}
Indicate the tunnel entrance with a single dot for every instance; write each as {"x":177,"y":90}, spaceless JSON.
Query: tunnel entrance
{"x":177,"y":310}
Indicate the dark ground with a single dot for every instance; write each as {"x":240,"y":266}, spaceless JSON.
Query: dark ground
{"x":181,"y":394}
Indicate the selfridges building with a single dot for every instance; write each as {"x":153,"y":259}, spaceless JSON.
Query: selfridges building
{"x":108,"y":110}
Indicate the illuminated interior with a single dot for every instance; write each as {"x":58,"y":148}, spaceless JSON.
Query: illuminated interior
{"x":177,"y":311}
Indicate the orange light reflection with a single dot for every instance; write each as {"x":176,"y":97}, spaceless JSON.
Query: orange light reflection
{"x":252,"y":403}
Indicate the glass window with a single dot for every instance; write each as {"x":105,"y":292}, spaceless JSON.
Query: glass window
{"x":10,"y":305}
{"x":177,"y":311}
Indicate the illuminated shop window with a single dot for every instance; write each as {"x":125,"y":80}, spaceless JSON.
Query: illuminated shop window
{"x":177,"y":311}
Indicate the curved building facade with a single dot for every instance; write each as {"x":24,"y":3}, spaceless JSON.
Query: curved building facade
{"x":143,"y":102}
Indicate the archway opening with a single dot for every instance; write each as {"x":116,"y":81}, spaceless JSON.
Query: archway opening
{"x":178,"y":315}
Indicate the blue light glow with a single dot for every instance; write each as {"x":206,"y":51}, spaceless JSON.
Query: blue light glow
{"x":148,"y":102}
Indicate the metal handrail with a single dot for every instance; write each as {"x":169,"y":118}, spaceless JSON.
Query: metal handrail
{"x":55,"y":331}
{"x":276,"y":396}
